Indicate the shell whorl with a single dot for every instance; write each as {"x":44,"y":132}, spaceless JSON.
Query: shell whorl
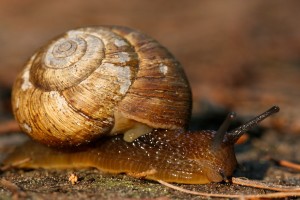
{"x":69,"y":90}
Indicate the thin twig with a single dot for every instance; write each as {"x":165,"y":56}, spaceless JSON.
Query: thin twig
{"x":243,"y":139}
{"x":288,"y":164}
{"x":15,"y":164}
{"x":7,"y":149}
{"x":197,"y":193}
{"x":241,"y":196}
{"x":262,"y":185}
{"x":9,"y":126}
{"x":13,"y":188}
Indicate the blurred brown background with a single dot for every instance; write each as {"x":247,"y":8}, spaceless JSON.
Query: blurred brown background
{"x":239,"y":55}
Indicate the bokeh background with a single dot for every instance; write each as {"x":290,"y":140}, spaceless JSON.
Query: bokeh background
{"x":241,"y":56}
{"x":238,"y":55}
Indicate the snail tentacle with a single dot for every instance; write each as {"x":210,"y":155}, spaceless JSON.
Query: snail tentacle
{"x":235,"y":134}
{"x":223,"y":129}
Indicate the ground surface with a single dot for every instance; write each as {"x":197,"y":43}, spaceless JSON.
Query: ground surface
{"x":240,"y":56}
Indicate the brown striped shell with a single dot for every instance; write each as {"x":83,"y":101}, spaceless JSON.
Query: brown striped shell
{"x":97,"y":81}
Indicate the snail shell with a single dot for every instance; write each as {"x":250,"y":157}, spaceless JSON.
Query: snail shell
{"x":100,"y":81}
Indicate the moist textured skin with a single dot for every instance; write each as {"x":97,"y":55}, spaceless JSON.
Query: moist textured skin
{"x":171,"y":156}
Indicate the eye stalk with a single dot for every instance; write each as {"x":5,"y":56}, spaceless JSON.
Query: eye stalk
{"x":223,"y":129}
{"x":236,"y":133}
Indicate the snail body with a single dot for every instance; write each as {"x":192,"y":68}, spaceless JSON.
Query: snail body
{"x":149,"y":156}
{"x":170,"y":155}
{"x":97,"y":81}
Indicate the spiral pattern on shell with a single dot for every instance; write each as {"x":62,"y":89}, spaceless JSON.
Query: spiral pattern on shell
{"x":69,"y":91}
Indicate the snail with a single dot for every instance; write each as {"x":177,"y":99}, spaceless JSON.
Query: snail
{"x":157,"y":148}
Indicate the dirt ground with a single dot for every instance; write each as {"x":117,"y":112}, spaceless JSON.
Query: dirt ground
{"x":238,"y":56}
